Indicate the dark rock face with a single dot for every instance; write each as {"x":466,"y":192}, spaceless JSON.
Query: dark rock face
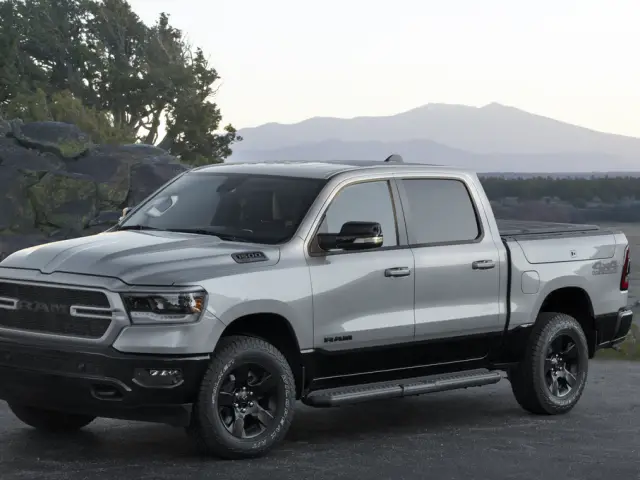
{"x":56,"y":185}
{"x":61,"y":139}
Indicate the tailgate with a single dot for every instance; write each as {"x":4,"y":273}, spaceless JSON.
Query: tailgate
{"x":598,"y":246}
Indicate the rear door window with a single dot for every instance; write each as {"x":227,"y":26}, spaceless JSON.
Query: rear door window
{"x":442,"y":211}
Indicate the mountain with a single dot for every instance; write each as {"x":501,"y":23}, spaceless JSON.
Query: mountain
{"x":354,"y":150}
{"x":426,"y":151}
{"x":493,"y":137}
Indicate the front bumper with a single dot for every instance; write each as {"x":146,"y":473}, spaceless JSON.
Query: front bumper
{"x":613,"y":328}
{"x":102,"y":382}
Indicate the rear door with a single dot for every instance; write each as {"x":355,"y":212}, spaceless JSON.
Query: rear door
{"x":457,"y":307}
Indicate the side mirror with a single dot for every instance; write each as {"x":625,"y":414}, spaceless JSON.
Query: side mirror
{"x":125,"y":212}
{"x":353,"y":236}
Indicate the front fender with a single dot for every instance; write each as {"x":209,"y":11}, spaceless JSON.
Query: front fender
{"x":281,"y":291}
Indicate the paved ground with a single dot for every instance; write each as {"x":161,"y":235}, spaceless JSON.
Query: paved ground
{"x":479,"y":433}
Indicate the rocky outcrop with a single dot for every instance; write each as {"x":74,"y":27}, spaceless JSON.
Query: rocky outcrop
{"x":56,"y":184}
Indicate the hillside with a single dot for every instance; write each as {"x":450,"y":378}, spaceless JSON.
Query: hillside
{"x":493,"y":137}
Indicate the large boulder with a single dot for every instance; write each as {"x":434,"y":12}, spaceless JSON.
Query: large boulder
{"x":62,"y":139}
{"x":56,"y":185}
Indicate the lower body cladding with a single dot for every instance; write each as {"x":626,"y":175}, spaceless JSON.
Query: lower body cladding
{"x":102,"y":383}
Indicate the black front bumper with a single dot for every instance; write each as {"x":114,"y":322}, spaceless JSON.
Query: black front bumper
{"x":101,"y":383}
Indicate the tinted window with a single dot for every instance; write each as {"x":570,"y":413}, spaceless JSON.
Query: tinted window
{"x":245,"y":207}
{"x":441,"y":211}
{"x":363,"y":202}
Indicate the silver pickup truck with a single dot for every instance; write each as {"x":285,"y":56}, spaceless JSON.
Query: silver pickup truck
{"x":236,"y":289}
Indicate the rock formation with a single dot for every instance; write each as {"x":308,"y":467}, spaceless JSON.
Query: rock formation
{"x":56,"y":184}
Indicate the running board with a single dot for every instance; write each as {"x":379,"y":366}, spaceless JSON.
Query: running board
{"x":404,"y":388}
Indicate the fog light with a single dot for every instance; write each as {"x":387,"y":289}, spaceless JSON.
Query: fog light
{"x":158,"y":377}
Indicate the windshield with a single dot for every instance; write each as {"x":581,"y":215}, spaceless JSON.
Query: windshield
{"x":241,"y":207}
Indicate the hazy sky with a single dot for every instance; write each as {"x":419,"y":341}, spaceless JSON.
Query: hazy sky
{"x":287,"y":60}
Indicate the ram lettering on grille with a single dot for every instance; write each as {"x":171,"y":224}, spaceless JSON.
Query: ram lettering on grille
{"x":43,"y":307}
{"x":59,"y":311}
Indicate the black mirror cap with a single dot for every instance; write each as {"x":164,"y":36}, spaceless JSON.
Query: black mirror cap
{"x":361,"y":229}
{"x":353,"y":236}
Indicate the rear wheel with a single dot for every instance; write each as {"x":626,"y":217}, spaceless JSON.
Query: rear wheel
{"x":48,"y":420}
{"x":246,"y":400}
{"x":553,"y":373}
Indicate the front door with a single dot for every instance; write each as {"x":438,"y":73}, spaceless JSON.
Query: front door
{"x":362,"y":300}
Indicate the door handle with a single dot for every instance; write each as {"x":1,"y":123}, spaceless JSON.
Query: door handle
{"x":483,"y":264}
{"x":397,"y":272}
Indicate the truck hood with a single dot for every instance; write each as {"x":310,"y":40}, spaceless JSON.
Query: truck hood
{"x":144,"y":257}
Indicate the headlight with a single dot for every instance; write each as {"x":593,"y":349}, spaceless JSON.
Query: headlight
{"x":156,"y":308}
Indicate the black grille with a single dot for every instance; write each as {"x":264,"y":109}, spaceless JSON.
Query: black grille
{"x":47,"y":310}
{"x":53,"y":295}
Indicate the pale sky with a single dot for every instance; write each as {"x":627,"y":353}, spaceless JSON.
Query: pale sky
{"x":288,"y":60}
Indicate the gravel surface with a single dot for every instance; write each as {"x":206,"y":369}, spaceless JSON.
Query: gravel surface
{"x":477,"y":433}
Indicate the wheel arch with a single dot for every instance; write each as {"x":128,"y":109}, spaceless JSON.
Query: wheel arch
{"x":568,"y":299}
{"x":576,"y":302}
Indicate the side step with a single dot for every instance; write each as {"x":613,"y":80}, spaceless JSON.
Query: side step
{"x":404,"y":388}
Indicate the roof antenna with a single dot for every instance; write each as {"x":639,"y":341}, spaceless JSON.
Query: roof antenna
{"x":394,"y":158}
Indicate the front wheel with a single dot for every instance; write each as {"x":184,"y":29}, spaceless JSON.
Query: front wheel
{"x":552,"y":375}
{"x":246,"y":400}
{"x":48,"y":420}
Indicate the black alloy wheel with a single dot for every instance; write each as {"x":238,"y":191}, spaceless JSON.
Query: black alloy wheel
{"x":562,"y":365}
{"x":247,"y":402}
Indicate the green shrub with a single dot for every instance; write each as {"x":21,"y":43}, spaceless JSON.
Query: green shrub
{"x":64,"y":107}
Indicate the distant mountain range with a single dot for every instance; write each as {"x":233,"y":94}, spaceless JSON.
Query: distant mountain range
{"x":493,"y":138}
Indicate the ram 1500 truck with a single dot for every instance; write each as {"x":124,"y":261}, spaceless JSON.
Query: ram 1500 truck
{"x":235,"y":290}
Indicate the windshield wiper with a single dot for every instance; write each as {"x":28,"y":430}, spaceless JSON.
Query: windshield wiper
{"x":196,"y":231}
{"x":204,"y":231}
{"x":138,"y":227}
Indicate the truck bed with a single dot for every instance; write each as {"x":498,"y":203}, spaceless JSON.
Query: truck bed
{"x":522,"y":228}
{"x":549,"y":242}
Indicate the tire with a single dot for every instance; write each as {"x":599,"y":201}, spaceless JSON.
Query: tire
{"x":50,"y":421}
{"x":532,"y":380}
{"x":216,"y":403}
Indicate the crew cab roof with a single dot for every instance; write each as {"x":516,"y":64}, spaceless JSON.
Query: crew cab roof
{"x":318,"y":169}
